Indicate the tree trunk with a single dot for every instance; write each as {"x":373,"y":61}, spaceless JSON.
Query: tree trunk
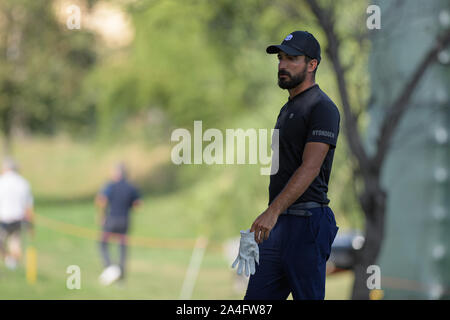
{"x":374,"y":204}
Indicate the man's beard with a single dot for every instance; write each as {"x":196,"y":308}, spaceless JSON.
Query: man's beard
{"x":292,"y":81}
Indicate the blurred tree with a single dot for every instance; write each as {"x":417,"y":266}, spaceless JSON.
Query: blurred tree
{"x":170,"y":66}
{"x":42,"y":65}
{"x":192,"y":60}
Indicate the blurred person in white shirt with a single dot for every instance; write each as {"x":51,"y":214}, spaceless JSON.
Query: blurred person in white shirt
{"x":16,"y":210}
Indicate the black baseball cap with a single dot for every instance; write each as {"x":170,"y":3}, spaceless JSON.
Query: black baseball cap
{"x":298,"y":43}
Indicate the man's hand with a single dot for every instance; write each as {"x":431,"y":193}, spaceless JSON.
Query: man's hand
{"x":264,"y":224}
{"x":136,"y":205}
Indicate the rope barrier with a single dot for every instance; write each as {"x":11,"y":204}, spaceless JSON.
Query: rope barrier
{"x":95,"y":235}
{"x":154,"y":243}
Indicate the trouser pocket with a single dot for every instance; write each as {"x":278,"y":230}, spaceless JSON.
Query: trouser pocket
{"x":324,"y":229}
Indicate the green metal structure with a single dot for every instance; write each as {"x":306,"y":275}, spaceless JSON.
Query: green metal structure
{"x":415,"y":256}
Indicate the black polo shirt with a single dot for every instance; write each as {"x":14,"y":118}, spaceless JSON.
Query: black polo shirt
{"x":310,"y":116}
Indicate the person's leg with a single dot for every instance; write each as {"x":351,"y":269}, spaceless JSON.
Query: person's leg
{"x":15,"y":246}
{"x":307,"y":256}
{"x":269,"y":281}
{"x":104,"y":249}
{"x":123,"y":254}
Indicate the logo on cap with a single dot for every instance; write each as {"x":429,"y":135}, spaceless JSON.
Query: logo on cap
{"x":289,"y":37}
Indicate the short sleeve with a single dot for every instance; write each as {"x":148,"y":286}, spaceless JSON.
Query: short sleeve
{"x":324,"y":124}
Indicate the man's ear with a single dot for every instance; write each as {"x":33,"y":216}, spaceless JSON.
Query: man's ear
{"x":312,"y":65}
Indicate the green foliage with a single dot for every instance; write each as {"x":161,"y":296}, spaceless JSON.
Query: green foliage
{"x":193,"y":60}
{"x":189,"y":60}
{"x":42,"y":66}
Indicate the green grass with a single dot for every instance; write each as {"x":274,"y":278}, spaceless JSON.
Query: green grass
{"x":180,"y":203}
{"x":154,"y":273}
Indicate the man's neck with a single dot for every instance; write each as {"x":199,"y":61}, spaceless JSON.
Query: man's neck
{"x":300,"y":88}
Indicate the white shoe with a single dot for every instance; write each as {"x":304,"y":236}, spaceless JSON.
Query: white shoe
{"x":109,"y":275}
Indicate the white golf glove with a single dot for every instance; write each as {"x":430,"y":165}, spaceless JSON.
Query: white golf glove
{"x":248,"y":253}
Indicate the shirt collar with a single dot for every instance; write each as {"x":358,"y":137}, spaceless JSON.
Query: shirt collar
{"x":301,"y":93}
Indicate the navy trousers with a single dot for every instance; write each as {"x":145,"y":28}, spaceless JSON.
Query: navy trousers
{"x":293,"y":258}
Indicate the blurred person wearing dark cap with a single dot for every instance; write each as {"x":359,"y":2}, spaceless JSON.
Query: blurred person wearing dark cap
{"x":115,"y":201}
{"x":16,"y":211}
{"x":295,"y":233}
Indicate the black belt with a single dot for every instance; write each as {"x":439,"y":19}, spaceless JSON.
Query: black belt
{"x":301,"y":209}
